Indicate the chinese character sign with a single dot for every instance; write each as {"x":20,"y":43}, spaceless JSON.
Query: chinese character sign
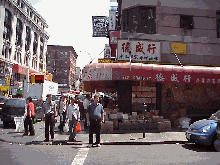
{"x":112,"y":19}
{"x":100,"y":28}
{"x":138,"y":50}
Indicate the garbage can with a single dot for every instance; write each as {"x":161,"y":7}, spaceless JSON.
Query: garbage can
{"x":19,"y":122}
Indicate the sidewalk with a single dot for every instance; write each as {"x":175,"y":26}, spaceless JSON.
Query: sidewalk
{"x":116,"y":138}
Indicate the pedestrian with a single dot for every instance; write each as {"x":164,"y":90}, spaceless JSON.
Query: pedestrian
{"x":62,"y":111}
{"x":85,"y":106}
{"x":30,"y":114}
{"x":49,"y":109}
{"x":74,"y":118}
{"x":95,"y":115}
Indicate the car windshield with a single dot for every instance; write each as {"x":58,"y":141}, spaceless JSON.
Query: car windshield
{"x":215,"y":116}
{"x":16,"y":102}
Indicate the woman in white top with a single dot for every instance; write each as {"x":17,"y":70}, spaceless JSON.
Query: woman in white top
{"x":74,"y":118}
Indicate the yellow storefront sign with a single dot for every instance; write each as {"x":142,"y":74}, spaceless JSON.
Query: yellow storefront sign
{"x":105,"y":61}
{"x":178,"y":48}
{"x":4,"y":88}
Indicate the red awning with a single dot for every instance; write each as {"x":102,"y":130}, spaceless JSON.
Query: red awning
{"x":21,"y":69}
{"x":152,"y":72}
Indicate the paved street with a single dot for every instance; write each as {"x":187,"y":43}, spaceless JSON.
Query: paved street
{"x":126,"y":148}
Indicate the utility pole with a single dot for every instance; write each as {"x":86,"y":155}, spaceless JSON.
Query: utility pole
{"x":26,"y":84}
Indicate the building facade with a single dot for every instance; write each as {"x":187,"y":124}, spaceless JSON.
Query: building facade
{"x":194,"y":24}
{"x":23,"y":41}
{"x":61,"y":62}
{"x":155,"y":37}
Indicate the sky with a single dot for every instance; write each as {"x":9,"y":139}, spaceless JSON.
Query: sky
{"x":70,"y":24}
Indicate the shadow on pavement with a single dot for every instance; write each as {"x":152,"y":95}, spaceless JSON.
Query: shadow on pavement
{"x":199,"y":148}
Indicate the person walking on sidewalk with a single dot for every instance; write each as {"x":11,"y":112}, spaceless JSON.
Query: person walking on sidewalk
{"x":29,"y":118}
{"x":74,"y":118}
{"x":49,"y":109}
{"x":62,"y":111}
{"x":85,"y":106}
{"x":95,"y":115}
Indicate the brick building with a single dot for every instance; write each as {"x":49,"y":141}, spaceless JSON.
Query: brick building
{"x":61,"y":62}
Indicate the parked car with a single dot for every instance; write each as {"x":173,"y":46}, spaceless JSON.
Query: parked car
{"x":13,"y":107}
{"x":204,"y":131}
{"x":2,"y":102}
{"x":217,"y":142}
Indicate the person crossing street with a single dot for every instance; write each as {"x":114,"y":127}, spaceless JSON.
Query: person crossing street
{"x":62,"y":111}
{"x":29,"y":118}
{"x":95,"y":115}
{"x":74,"y":118}
{"x":49,"y":109}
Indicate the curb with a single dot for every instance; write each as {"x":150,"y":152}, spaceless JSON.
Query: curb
{"x":63,"y":142}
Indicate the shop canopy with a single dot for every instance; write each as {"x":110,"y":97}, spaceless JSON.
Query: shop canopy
{"x":151,"y":72}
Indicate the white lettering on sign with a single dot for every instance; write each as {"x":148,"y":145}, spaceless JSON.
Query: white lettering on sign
{"x":125,"y":77}
{"x":174,"y":78}
{"x":159,"y":77}
{"x":187,"y":78}
{"x":139,"y":78}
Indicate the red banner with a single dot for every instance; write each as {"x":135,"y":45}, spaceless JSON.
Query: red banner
{"x":159,"y":73}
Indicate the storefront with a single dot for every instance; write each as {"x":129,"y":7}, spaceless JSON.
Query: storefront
{"x":166,"y":88}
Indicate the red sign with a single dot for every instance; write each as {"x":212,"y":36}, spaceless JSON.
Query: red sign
{"x":161,"y":73}
{"x":39,"y":78}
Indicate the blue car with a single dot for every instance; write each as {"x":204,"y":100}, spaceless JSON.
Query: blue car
{"x":204,"y":131}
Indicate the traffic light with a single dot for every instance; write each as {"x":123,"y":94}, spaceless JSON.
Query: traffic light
{"x":39,"y":78}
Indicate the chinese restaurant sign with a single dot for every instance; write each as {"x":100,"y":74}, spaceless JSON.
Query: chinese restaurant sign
{"x":155,"y":73}
{"x":100,"y":28}
{"x":90,"y":74}
{"x":138,"y":50}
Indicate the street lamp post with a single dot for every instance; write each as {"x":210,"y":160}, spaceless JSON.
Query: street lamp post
{"x":144,"y":112}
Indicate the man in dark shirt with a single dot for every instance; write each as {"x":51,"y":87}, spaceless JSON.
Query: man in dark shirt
{"x":95,"y":115}
{"x":49,"y":109}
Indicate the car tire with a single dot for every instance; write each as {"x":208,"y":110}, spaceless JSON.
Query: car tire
{"x":215,"y":138}
{"x":5,"y":123}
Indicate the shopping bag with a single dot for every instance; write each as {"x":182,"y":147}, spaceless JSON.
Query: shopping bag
{"x":35,"y":120}
{"x":78,"y":128}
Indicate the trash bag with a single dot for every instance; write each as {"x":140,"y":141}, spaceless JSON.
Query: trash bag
{"x":184,"y":122}
{"x":78,"y":128}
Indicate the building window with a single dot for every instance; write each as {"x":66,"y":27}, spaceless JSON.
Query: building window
{"x":28,"y":38}
{"x":35,"y":43}
{"x":22,"y":5}
{"x":186,"y":22}
{"x":18,"y":2}
{"x":7,"y":25}
{"x":218,"y":23}
{"x":140,"y":19}
{"x":61,"y":53}
{"x":19,"y":29}
{"x":41,"y":47}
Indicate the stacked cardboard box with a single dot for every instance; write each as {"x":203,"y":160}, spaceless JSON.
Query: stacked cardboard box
{"x":165,"y":125}
{"x":107,"y":126}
